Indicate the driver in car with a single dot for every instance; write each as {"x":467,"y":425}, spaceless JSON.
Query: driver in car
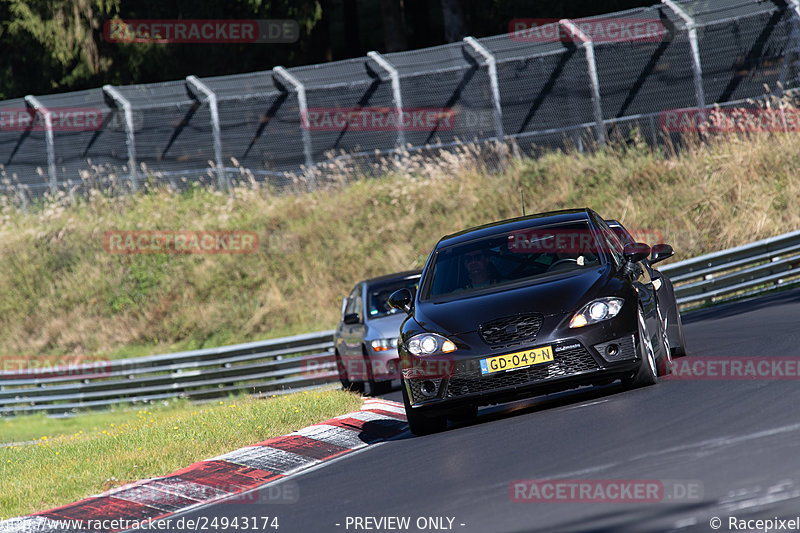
{"x":380,"y":303}
{"x":480,"y":271}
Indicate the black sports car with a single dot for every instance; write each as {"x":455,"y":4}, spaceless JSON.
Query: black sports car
{"x":525,"y":307}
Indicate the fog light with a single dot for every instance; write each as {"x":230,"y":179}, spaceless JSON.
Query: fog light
{"x":428,"y":388}
{"x":612,"y":350}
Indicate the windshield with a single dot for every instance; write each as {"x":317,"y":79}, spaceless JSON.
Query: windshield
{"x":512,"y":257}
{"x":378,"y":296}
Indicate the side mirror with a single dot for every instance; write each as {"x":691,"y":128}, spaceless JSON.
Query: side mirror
{"x":401,"y":299}
{"x":635,"y":252}
{"x":352,"y":318}
{"x":661,"y":252}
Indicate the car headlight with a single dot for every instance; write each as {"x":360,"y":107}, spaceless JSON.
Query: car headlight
{"x":596,"y":311}
{"x":381,"y":345}
{"x":429,"y":344}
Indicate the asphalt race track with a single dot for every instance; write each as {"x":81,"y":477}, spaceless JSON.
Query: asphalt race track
{"x":720,"y":448}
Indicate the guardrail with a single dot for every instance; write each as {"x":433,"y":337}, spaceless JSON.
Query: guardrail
{"x":740,"y":271}
{"x":269,"y":367}
{"x":305,"y":361}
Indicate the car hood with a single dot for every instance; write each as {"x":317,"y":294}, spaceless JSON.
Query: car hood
{"x":549,"y":296}
{"x":386,"y":327}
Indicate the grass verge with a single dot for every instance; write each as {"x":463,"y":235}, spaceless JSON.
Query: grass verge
{"x":75,"y":458}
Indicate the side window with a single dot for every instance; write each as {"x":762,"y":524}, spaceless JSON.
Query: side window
{"x":614,"y":246}
{"x":622,"y":236}
{"x":359,"y":304}
{"x":354,"y":302}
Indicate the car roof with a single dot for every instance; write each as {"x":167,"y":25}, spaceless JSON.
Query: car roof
{"x":396,"y":275}
{"x":513,"y":224}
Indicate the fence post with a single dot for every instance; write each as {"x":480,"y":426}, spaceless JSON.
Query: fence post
{"x":793,"y":48}
{"x":691,"y":29}
{"x":303,"y":105}
{"x":397,"y":96}
{"x":23,"y":199}
{"x":491,"y":65}
{"x":130,"y":140}
{"x":222,"y":177}
{"x":37,"y":106}
{"x":588,"y":47}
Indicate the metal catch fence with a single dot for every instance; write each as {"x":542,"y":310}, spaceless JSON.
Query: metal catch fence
{"x":540,"y":86}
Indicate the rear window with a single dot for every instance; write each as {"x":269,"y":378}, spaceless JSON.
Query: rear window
{"x":512,"y":257}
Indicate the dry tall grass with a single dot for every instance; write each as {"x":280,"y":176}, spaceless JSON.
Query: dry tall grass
{"x":63,"y":294}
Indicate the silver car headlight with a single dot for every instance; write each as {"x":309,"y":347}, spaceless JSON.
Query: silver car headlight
{"x":382,"y":345}
{"x":596,"y":311}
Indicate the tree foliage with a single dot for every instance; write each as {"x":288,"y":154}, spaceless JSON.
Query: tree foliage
{"x":58,"y":45}
{"x":55,"y":39}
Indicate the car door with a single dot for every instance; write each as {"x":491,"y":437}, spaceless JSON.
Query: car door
{"x":351,"y":335}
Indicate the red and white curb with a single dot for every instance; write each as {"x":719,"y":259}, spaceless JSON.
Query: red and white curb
{"x":223,"y":476}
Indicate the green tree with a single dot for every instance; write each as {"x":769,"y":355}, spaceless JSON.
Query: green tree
{"x":52,"y":44}
{"x":58,"y":45}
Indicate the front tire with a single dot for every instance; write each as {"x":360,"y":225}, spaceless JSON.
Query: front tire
{"x":422,"y":424}
{"x":375,"y":387}
{"x":344,"y":378}
{"x":385,"y":386}
{"x":647,"y":373}
{"x":380,"y":387}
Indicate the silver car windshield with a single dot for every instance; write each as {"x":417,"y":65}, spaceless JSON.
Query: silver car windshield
{"x":378,"y":296}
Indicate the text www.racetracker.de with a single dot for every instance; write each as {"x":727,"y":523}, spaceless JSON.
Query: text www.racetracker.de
{"x":240,"y":523}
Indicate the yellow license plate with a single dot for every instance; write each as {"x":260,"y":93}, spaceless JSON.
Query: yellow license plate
{"x":511,"y":361}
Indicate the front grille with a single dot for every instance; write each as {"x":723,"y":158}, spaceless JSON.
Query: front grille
{"x":564,"y":363}
{"x":511,"y":329}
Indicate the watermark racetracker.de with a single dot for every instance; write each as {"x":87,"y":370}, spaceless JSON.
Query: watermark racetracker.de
{"x":201,"y":31}
{"x":65,"y":119}
{"x":736,"y":368}
{"x":387,"y":119}
{"x":729,"y":120}
{"x":601,"y":30}
{"x":286,"y":492}
{"x":432,"y":367}
{"x":180,"y":242}
{"x":378,"y":119}
{"x":605,"y":491}
{"x":47,"y":367}
{"x":571,"y":240}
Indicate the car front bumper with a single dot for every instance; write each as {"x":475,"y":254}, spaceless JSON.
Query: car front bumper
{"x":574,"y":365}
